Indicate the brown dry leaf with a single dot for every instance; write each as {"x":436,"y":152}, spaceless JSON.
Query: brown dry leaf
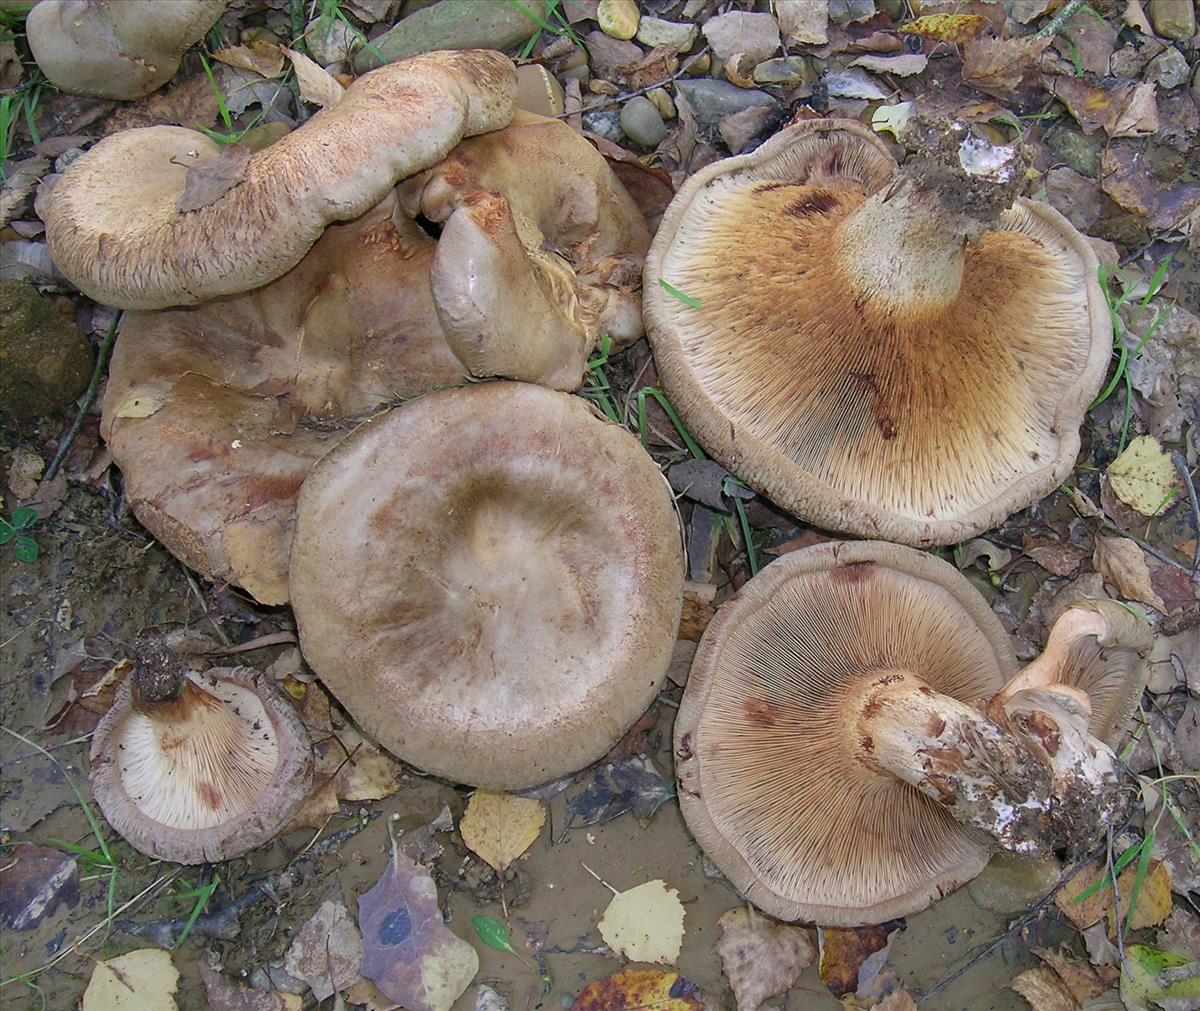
{"x":317,"y":85}
{"x":958,"y":28}
{"x":1044,"y":991}
{"x":1091,"y":107}
{"x":1135,"y":17}
{"x":1137,"y":113}
{"x":21,"y":179}
{"x":207,"y":182}
{"x":997,"y":66}
{"x":500,"y":827}
{"x":897,"y":1000}
{"x":1094,"y":40}
{"x":698,"y":610}
{"x":901,"y":66}
{"x":225,"y":995}
{"x":1056,"y":557}
{"x":191,"y":103}
{"x":1090,"y":910}
{"x":1153,"y":901}
{"x":261,"y":56}
{"x":1025,"y":11}
{"x":1082,"y":981}
{"x":327,"y":953}
{"x":803,"y":21}
{"x":761,"y":956}
{"x":1121,"y":562}
{"x":843,"y":953}
{"x":1181,"y":934}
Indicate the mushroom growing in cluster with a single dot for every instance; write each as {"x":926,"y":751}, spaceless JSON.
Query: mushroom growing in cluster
{"x":311,"y":321}
{"x":902,"y":353}
{"x":852,"y":742}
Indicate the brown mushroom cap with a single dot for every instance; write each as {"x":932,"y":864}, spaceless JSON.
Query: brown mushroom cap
{"x":914,"y":404}
{"x":115,"y":231}
{"x":489,"y":579}
{"x":206,"y":777}
{"x":769,"y":783}
{"x":115,"y":50}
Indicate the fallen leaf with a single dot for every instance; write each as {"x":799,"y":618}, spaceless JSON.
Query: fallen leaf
{"x":643,"y":989}
{"x":1153,"y":900}
{"x":852,"y":84}
{"x":208,"y":181}
{"x":632,"y":784}
{"x":761,"y":956}
{"x":408,"y":952}
{"x":1137,"y":113}
{"x":1121,"y":562}
{"x":645,"y":923}
{"x":1181,"y":933}
{"x":1044,"y":991}
{"x":141,"y":980}
{"x":225,"y":995}
{"x":1094,"y":40}
{"x":1081,"y":980}
{"x":500,"y":827}
{"x":19,"y":182}
{"x":327,"y":953}
{"x":998,"y":557}
{"x":897,"y":1000}
{"x":1090,"y":106}
{"x":1143,"y":979}
{"x":1135,"y":17}
{"x":958,"y":28}
{"x":901,"y":66}
{"x":997,"y":66}
{"x":34,"y":880}
{"x":191,"y":103}
{"x":365,"y":771}
{"x":803,"y":21}
{"x":1143,"y":476}
{"x":1090,"y":910}
{"x":317,"y":85}
{"x":844,"y":953}
{"x":1056,"y":557}
{"x":265,"y":58}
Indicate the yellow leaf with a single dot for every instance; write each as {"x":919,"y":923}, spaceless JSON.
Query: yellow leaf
{"x":1143,"y":476}
{"x":1153,"y":900}
{"x":646,"y":989}
{"x":142,"y":401}
{"x":958,"y":28}
{"x":500,"y":827}
{"x":317,"y":85}
{"x":142,"y":980}
{"x":1044,"y":990}
{"x":644,"y":924}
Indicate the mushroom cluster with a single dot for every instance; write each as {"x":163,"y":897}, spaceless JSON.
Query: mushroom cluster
{"x":853,"y":742}
{"x":903,"y":354}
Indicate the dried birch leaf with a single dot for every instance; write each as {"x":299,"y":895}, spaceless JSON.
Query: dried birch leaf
{"x":997,"y":66}
{"x":1044,"y":991}
{"x":317,"y":85}
{"x":327,"y":953}
{"x":761,"y":956}
{"x":500,"y":827}
{"x":641,"y":988}
{"x":1121,"y":562}
{"x":959,"y":28}
{"x":207,"y":182}
{"x":264,"y":58}
{"x":1143,"y":476}
{"x":142,"y":980}
{"x":644,"y":924}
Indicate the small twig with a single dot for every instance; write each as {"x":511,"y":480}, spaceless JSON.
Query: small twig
{"x":1185,"y":476}
{"x":272,"y":639}
{"x":1055,"y":24}
{"x":89,"y":397}
{"x":6,"y":762}
{"x":195,"y":588}
{"x":625,"y":96}
{"x":598,"y":878}
{"x":1112,"y":876}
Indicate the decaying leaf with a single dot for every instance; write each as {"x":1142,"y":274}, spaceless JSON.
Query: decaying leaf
{"x":1153,"y":899}
{"x":317,"y":85}
{"x":761,"y":956}
{"x":897,"y":1000}
{"x":1150,"y":974}
{"x":1121,"y":562}
{"x":327,"y":953}
{"x":632,"y":784}
{"x":845,"y":953}
{"x":408,"y":951}
{"x":645,"y":923}
{"x":901,"y":66}
{"x":34,"y":881}
{"x":261,"y":56}
{"x":1081,"y":979}
{"x":500,"y":827}
{"x":142,"y":980}
{"x":997,"y":66}
{"x":143,"y":401}
{"x":644,"y":989}
{"x":1136,"y":113}
{"x":1143,"y":476}
{"x":1090,"y":910}
{"x":803,"y":21}
{"x":958,"y":28}
{"x":1044,"y":991}
{"x":207,"y":182}
{"x":225,"y":995}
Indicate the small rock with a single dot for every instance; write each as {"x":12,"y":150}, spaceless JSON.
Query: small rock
{"x":657,"y":32}
{"x":784,"y":70}
{"x":618,"y":19}
{"x":453,"y":24}
{"x":605,"y":123}
{"x":330,"y":39}
{"x":710,"y":100}
{"x":642,"y":122}
{"x":1168,"y":68}
{"x":45,"y":363}
{"x":610,"y":57}
{"x":1172,"y":19}
{"x":699,"y":66}
{"x":1011,"y":882}
{"x":842,"y":12}
{"x":1078,"y":151}
{"x":575,"y":66}
{"x":739,"y":128}
{"x":756,"y":35}
{"x":852,"y":83}
{"x":538,"y":92}
{"x":35,"y":880}
{"x":662,"y":102}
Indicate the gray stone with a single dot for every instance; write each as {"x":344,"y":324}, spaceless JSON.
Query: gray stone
{"x":1169,"y":68}
{"x":1011,"y":882}
{"x":784,"y":70}
{"x":1080,"y":152}
{"x":605,"y":123}
{"x":710,"y":100}
{"x":330,"y":40}
{"x":756,"y":35}
{"x":1172,"y":19}
{"x":45,"y":363}
{"x":642,"y":122}
{"x":657,"y":32}
{"x":739,"y":128}
{"x":453,"y":24}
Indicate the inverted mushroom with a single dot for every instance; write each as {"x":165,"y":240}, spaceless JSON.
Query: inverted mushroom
{"x":113,"y":223}
{"x":888,"y":352}
{"x":833,"y":759}
{"x":199,"y":766}
{"x":115,"y":50}
{"x":489,"y":580}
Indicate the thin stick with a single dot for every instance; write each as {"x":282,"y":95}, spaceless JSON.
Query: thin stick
{"x":598,"y":878}
{"x":1112,"y":876}
{"x":89,"y":397}
{"x":195,"y":588}
{"x":1185,"y":476}
{"x":1054,"y":25}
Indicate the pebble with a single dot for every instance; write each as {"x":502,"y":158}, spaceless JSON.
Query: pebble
{"x":1172,"y":19}
{"x":453,"y":24}
{"x":642,"y":122}
{"x":1011,"y":882}
{"x":618,"y":19}
{"x":756,"y":35}
{"x":1169,"y":68}
{"x":330,"y":40}
{"x":784,"y":70}
{"x":662,"y":102}
{"x":1080,"y":152}
{"x":657,"y":32}
{"x":710,"y":100}
{"x":605,"y":123}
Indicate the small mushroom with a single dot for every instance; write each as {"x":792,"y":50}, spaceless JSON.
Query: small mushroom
{"x":852,"y":744}
{"x":489,"y":579}
{"x":198,"y":766}
{"x":895,"y":353}
{"x":116,"y":232}
{"x":115,"y":48}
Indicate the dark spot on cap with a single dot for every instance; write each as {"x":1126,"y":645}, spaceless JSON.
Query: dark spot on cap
{"x":761,"y":713}
{"x":816,"y":202}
